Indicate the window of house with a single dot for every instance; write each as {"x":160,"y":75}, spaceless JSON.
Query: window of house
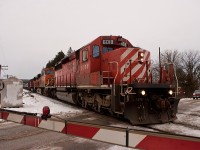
{"x":85,"y":55}
{"x":95,"y":51}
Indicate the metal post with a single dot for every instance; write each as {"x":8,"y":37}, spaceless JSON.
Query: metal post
{"x":127,"y":137}
{"x":65,"y":126}
{"x":130,"y":70}
{"x":160,"y":66}
{"x":24,"y":119}
{"x":1,"y":114}
{"x":108,"y":74}
{"x":66,"y":79}
{"x":146,"y":71}
{"x":70,"y":80}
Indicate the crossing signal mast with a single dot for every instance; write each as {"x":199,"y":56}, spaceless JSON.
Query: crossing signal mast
{"x":3,"y":68}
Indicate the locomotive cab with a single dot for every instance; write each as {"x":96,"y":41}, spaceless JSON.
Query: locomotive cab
{"x":95,"y":59}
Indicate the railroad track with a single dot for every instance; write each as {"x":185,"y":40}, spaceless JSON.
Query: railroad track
{"x":191,"y":113}
{"x":187,"y":125}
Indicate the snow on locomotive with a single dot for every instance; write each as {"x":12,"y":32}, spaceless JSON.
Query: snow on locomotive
{"x":110,"y":74}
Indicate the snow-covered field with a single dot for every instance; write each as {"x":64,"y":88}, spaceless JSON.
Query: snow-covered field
{"x":188,"y":119}
{"x":187,"y":123}
{"x":34,"y":103}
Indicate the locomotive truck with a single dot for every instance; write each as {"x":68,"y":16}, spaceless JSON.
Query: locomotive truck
{"x":110,"y":74}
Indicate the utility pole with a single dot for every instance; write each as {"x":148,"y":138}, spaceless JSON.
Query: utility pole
{"x":3,"y":68}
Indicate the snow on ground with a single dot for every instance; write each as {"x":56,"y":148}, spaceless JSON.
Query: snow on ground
{"x":187,"y":123}
{"x":188,"y":119}
{"x":116,"y":147}
{"x":34,"y":103}
{"x":177,"y":129}
{"x":189,"y":106}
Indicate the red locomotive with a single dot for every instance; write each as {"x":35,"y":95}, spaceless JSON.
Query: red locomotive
{"x":110,"y":74}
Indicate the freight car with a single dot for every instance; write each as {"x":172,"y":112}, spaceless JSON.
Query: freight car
{"x":110,"y":74}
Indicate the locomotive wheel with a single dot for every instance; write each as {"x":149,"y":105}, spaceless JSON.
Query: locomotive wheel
{"x":83,"y":103}
{"x":96,"y":106}
{"x":42,"y":92}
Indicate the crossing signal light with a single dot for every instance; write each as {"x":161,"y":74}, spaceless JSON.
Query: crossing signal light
{"x":46,"y":113}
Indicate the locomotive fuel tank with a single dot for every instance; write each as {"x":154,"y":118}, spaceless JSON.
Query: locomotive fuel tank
{"x":64,"y":95}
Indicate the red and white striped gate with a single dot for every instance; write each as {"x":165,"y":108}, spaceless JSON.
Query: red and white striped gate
{"x":120,"y":136}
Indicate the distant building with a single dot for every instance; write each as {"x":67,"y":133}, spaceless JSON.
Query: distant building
{"x":11,"y":91}
{"x":25,"y":83}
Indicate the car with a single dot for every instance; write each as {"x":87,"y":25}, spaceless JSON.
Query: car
{"x":196,"y":94}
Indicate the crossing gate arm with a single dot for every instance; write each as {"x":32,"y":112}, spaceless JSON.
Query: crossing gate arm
{"x":107,"y":134}
{"x":161,"y":141}
{"x":115,"y":135}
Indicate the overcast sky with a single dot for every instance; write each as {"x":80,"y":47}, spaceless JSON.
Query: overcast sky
{"x":32,"y":32}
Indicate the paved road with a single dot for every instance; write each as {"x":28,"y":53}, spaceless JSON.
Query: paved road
{"x":15,"y":136}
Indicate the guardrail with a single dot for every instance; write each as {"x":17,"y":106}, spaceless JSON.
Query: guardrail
{"x":115,"y":135}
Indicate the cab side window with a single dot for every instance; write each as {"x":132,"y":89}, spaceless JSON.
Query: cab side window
{"x":95,"y":51}
{"x":85,"y":55}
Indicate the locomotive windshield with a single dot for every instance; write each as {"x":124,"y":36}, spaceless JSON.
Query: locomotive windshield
{"x":47,"y":72}
{"x":112,"y":44}
{"x":107,"y":49}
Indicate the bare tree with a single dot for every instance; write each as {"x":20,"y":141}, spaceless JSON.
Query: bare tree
{"x":187,"y":68}
{"x":155,"y":71}
{"x":168,"y":56}
{"x":171,"y":56}
{"x":190,"y":64}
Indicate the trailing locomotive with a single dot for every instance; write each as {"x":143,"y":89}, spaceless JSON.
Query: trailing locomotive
{"x":110,"y":74}
{"x":42,"y":80}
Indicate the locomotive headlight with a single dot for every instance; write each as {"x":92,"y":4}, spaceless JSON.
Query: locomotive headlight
{"x":170,"y":92}
{"x":141,"y":57}
{"x":143,"y":92}
{"x":141,"y":54}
